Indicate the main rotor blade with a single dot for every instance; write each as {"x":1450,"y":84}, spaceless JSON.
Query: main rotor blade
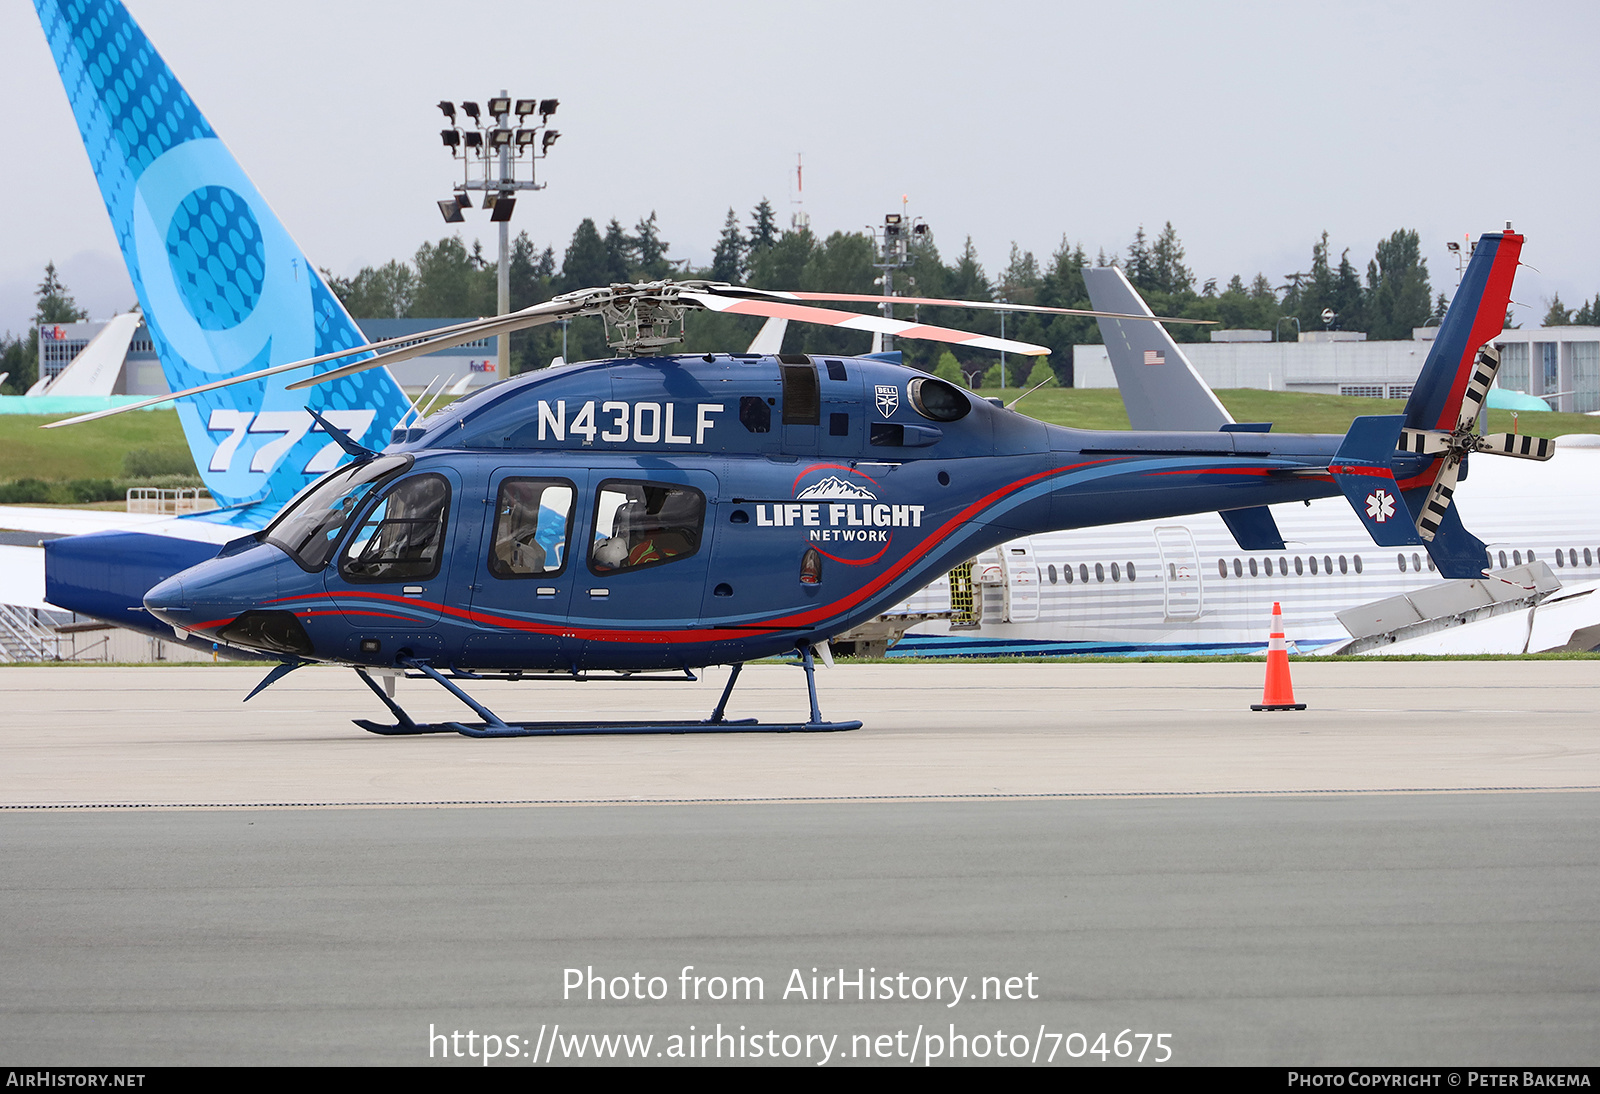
{"x":988,"y":305}
{"x":440,"y":338}
{"x":800,"y":313}
{"x":550,"y":311}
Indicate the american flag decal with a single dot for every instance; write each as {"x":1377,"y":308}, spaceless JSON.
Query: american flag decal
{"x":1154,"y":357}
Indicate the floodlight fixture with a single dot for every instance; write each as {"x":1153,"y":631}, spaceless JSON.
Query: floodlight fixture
{"x":500,"y":138}
{"x":891,"y":218}
{"x":526,"y":138}
{"x":489,"y":199}
{"x":526,"y":107}
{"x":503,"y":207}
{"x":919,"y":229}
{"x":499,"y":106}
{"x":451,"y":138}
{"x":471,"y":110}
{"x":547,"y":107}
{"x":449,"y":109}
{"x":472,"y":139}
{"x":451,"y":212}
{"x":550,"y":137}
{"x":463,"y":200}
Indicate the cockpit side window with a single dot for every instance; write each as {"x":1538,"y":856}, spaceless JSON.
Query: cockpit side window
{"x":532,"y":528}
{"x":311,"y":524}
{"x":402,"y":538}
{"x":640,"y":524}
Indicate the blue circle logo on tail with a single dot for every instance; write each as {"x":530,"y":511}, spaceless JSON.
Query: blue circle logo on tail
{"x":218,"y":261}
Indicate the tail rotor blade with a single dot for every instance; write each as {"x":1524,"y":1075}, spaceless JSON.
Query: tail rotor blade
{"x":1424,"y":442}
{"x":1519,"y":445}
{"x":1440,"y":495}
{"x":1483,"y":373}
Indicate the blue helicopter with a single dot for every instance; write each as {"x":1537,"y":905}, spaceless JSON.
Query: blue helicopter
{"x":667,"y":512}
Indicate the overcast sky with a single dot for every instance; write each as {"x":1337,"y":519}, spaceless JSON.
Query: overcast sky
{"x":1253,"y":127}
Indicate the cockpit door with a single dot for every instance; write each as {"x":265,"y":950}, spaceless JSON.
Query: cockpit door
{"x":393,"y":569}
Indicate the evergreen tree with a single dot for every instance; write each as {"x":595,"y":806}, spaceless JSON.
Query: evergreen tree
{"x":1167,"y":273}
{"x":450,"y":283}
{"x":727,"y":263}
{"x":949,"y":369}
{"x":763,"y":227}
{"x":1041,"y":373}
{"x":55,"y":304}
{"x":1589,"y":314}
{"x":619,"y":263}
{"x":1140,"y":264}
{"x":1398,"y":293}
{"x":1349,"y":302}
{"x":587,"y":262}
{"x":1557,"y":316}
{"x":779,"y":266}
{"x":650,"y":250}
{"x":382,"y":292}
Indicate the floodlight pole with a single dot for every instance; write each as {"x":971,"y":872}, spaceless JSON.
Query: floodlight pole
{"x":503,"y":360}
{"x":894,"y":242}
{"x":499,"y":192}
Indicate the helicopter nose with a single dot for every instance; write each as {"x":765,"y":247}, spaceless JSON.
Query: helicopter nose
{"x":167,"y":601}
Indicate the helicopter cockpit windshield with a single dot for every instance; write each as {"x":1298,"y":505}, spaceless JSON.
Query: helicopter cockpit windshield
{"x":309,"y":526}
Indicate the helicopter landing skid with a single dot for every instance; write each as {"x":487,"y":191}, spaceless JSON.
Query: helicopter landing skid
{"x":493,"y":726}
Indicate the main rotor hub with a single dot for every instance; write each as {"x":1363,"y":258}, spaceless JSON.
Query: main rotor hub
{"x":640,"y":318}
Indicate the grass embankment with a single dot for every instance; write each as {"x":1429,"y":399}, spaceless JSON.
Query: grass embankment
{"x":96,"y":462}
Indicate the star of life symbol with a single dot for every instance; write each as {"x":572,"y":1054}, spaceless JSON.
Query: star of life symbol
{"x":1380,"y":505}
{"x":888,"y":399}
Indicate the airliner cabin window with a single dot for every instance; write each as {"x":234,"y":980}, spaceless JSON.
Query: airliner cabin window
{"x":640,"y":524}
{"x":403,"y":537}
{"x":533,"y":518}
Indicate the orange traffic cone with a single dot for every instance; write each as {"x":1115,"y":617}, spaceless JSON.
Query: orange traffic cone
{"x":1279,"y":693}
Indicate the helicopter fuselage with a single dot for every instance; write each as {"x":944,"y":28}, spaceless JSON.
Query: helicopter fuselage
{"x":676,"y":512}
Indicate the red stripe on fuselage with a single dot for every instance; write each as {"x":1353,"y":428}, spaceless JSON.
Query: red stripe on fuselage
{"x":713,"y":634}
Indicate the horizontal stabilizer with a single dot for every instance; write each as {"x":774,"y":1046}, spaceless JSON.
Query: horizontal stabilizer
{"x":1253,"y":529}
{"x":1364,"y":472}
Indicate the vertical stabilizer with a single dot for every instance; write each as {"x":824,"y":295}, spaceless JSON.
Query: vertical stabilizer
{"x":223,"y":287}
{"x":1160,"y":388}
{"x":1476,"y":315}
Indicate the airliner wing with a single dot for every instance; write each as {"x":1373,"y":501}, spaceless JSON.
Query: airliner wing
{"x":75,"y":522}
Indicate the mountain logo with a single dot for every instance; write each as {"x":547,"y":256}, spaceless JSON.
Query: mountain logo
{"x":834,"y":488}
